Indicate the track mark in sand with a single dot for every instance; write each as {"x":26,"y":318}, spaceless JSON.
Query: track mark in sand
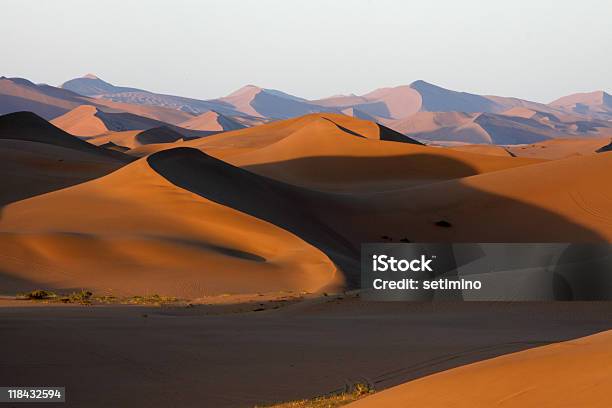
{"x":587,"y":206}
{"x":405,"y":371}
{"x":514,"y":395}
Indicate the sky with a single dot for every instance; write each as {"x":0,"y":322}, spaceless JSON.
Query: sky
{"x":533,"y":49}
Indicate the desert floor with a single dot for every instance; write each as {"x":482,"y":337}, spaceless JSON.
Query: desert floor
{"x":207,"y":355}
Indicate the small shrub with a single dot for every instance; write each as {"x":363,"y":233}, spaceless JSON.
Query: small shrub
{"x":39,"y":294}
{"x":83,"y":296}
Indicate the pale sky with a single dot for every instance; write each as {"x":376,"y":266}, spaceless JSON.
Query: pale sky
{"x":533,"y":49}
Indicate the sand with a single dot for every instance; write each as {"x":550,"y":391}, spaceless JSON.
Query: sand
{"x":570,"y":374}
{"x":36,"y":157}
{"x":560,"y":148}
{"x":133,"y":232}
{"x":113,"y":356}
{"x":278,"y":210}
{"x":131,"y":139}
{"x":484,"y":149}
{"x":338,"y":153}
{"x":212,"y":121}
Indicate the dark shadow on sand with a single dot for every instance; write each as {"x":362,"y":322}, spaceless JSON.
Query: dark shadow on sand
{"x":325,"y":220}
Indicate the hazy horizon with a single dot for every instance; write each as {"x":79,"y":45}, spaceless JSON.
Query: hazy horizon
{"x":538,"y":50}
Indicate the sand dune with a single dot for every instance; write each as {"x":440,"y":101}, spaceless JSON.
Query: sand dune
{"x":132,"y":139}
{"x":89,"y":121}
{"x":597,"y":104}
{"x":37,"y":157}
{"x":514,"y":126}
{"x":560,"y":148}
{"x":484,"y":149}
{"x":553,"y":201}
{"x":402,"y":101}
{"x":17,"y":94}
{"x":29,"y":127}
{"x":339,"y":153}
{"x":420,"y":96}
{"x":180,"y":217}
{"x":120,"y":96}
{"x":212,"y":121}
{"x":270,"y":103}
{"x":134,"y":232}
{"x":574,"y":373}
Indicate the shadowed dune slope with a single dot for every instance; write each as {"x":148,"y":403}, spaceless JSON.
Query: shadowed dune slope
{"x":340,"y":153}
{"x":87,"y":120}
{"x":31,"y":168}
{"x":36,"y":157}
{"x":28,"y":126}
{"x":168,"y":108}
{"x":18,"y":94}
{"x":554,"y":201}
{"x":91,"y":121}
{"x":184,"y":223}
{"x":574,"y":373}
{"x":606,"y":148}
{"x":132,"y":139}
{"x":134,"y":232}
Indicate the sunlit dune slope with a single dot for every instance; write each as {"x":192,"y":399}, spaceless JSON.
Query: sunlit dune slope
{"x":574,"y":373}
{"x":212,"y":121}
{"x":134,"y":232}
{"x":484,"y":149}
{"x":340,"y":153}
{"x":560,"y":148}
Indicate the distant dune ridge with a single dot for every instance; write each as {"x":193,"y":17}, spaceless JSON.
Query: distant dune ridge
{"x":399,"y":108}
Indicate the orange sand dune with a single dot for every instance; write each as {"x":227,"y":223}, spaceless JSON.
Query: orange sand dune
{"x":134,"y":232}
{"x":90,"y":121}
{"x":560,"y":148}
{"x":29,"y":127}
{"x":135,"y":138}
{"x":159,"y":113}
{"x":87,"y":120}
{"x":574,"y":373}
{"x":212,"y":121}
{"x":36,"y":157}
{"x":340,"y":153}
{"x":483,"y":149}
{"x":182,"y":222}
